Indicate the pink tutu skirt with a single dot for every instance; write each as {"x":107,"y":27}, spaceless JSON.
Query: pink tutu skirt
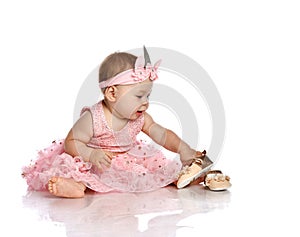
{"x":142,"y":169}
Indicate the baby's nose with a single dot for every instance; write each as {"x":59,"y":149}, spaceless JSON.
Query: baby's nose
{"x":145,"y":101}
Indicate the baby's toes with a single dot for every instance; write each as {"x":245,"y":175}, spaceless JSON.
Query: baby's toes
{"x":52,"y":185}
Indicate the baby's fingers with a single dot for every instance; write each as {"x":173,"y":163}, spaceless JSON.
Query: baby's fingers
{"x":106,"y":161}
{"x":99,"y":166}
{"x":200,"y":154}
{"x":109,"y":155}
{"x":103,"y":162}
{"x":187,"y":162}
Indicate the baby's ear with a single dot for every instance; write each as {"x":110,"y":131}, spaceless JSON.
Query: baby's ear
{"x":110,"y":93}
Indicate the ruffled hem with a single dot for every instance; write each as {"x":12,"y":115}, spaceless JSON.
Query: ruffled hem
{"x":139,"y":174}
{"x":142,"y":169}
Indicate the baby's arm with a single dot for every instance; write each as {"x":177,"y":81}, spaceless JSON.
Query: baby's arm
{"x":168,"y":139}
{"x":79,"y":136}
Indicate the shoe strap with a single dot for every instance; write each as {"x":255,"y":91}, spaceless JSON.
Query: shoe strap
{"x":198,"y":161}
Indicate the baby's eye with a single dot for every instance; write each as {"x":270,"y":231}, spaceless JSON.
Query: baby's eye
{"x":139,"y":96}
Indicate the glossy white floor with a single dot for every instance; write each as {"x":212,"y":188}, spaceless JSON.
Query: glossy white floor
{"x":165,"y":212}
{"x":246,"y":210}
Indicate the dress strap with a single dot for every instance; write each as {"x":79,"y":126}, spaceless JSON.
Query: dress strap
{"x":97,"y":115}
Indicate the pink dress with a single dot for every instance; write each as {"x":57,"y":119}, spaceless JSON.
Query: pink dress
{"x":140,"y":167}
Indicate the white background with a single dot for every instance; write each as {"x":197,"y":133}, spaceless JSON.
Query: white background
{"x":250,"y":49}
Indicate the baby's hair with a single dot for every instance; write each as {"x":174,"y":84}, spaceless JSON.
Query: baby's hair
{"x":115,"y":63}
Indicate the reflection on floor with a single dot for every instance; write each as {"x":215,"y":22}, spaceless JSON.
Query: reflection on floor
{"x":164,"y":212}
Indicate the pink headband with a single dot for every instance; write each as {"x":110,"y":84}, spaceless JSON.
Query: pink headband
{"x":141,"y":72}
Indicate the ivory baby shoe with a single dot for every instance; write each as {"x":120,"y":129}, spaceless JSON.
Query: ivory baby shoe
{"x":199,"y":166}
{"x":215,"y":180}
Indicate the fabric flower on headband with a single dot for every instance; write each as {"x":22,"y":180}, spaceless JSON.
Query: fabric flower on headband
{"x":141,"y":72}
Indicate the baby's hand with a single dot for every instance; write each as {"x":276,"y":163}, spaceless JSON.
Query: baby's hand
{"x":99,"y":158}
{"x":188,"y":157}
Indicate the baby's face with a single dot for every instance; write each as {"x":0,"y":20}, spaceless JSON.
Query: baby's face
{"x":133,"y":100}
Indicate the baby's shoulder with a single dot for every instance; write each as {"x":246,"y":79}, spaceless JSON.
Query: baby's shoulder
{"x":85,"y":118}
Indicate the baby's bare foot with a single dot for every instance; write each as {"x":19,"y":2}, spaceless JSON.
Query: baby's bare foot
{"x":64,"y":187}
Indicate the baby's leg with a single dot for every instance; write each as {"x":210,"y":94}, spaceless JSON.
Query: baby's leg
{"x":64,"y":187}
